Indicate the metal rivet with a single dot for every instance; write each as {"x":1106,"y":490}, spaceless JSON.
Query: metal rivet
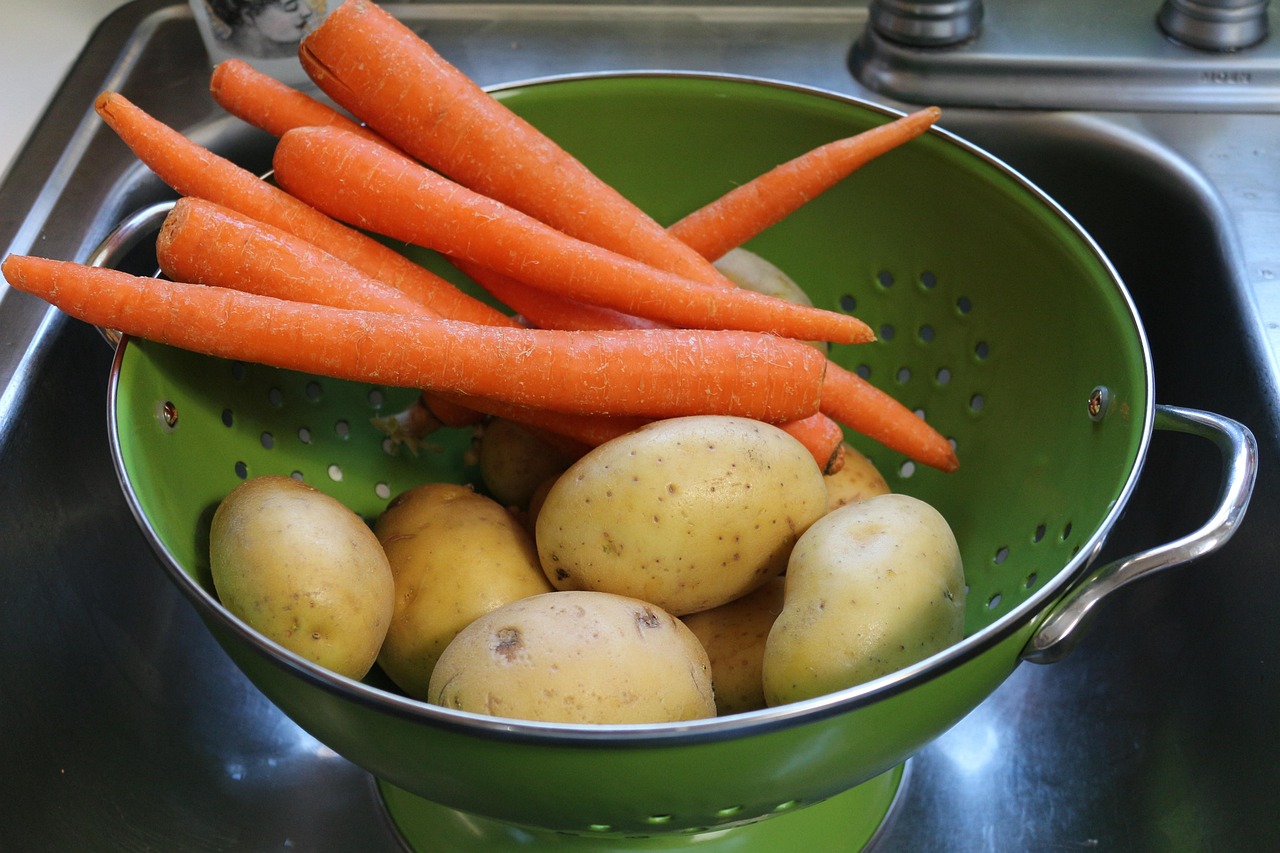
{"x":1098,"y":399}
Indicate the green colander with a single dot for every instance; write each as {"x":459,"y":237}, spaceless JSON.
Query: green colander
{"x":979,"y":288}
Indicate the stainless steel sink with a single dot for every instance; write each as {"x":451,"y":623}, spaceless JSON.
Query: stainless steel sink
{"x":126,"y":727}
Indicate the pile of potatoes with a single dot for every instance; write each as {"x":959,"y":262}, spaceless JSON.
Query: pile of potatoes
{"x":698,"y":566}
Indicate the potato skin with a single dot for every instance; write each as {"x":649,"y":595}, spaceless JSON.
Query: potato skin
{"x":874,"y":586}
{"x":303,"y":570}
{"x":734,"y":635}
{"x":514,"y":462}
{"x":857,"y":480}
{"x":687,"y":513}
{"x":455,"y":555}
{"x":576,"y":657}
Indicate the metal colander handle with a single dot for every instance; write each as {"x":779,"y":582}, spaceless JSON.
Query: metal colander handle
{"x":1062,"y":629}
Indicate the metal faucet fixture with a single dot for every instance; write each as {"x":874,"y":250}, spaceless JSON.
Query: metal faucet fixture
{"x":1215,"y":24}
{"x":926,"y":23}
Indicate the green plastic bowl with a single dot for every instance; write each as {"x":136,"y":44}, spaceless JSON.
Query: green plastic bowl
{"x":998,"y":319}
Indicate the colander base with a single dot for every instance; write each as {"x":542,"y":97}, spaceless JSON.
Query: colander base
{"x":846,"y":822}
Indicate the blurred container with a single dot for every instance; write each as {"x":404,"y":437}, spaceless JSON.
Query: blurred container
{"x":264,"y":33}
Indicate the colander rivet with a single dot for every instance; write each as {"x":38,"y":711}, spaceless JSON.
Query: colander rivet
{"x":1098,"y":399}
{"x":170,"y":414}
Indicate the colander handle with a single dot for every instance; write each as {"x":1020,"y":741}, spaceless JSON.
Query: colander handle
{"x":1061,"y":631}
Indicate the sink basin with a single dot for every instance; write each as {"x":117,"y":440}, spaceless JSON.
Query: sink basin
{"x":130,"y":728}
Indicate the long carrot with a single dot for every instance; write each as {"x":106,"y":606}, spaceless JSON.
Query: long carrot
{"x":202,"y":242}
{"x":855,"y":402}
{"x":387,"y":76}
{"x":655,"y":373}
{"x":268,"y":104}
{"x":766,"y":199}
{"x":192,"y":170}
{"x":368,"y":186}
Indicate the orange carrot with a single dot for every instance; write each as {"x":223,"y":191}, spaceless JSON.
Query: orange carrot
{"x":399,"y":198}
{"x":267,"y":104}
{"x":386,"y":75}
{"x":855,"y":402}
{"x":822,"y":437}
{"x":193,"y":170}
{"x":654,"y":373}
{"x":202,"y":242}
{"x":766,"y":199}
{"x":548,"y":310}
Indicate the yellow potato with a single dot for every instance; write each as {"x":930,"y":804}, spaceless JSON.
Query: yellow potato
{"x":303,"y":570}
{"x":687,"y":513}
{"x":577,"y":657}
{"x":514,"y":461}
{"x":734,"y":635}
{"x":857,"y":480}
{"x":874,"y":586}
{"x":455,"y":555}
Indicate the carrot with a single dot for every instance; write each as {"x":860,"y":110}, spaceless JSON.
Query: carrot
{"x":202,"y":242}
{"x":267,"y":104}
{"x":822,"y":437}
{"x":855,"y":402}
{"x":192,"y":170}
{"x":766,"y":199}
{"x":399,"y":198}
{"x":386,"y":75}
{"x":548,"y":310}
{"x":654,"y":373}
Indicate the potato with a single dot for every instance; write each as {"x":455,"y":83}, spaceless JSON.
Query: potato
{"x":872,"y":587}
{"x":455,"y":555}
{"x":303,"y":570}
{"x":857,"y":480}
{"x":577,"y":657}
{"x":734,"y":635}
{"x":514,"y":461}
{"x":687,"y":513}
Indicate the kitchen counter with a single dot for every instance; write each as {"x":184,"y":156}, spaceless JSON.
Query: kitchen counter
{"x":39,"y":42}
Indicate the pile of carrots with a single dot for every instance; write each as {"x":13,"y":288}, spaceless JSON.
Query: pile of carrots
{"x":615,"y":320}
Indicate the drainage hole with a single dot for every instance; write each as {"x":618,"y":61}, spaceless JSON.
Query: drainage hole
{"x":977,"y":402}
{"x":1002,"y":554}
{"x":268,"y":440}
{"x":275,"y":397}
{"x":926,"y":333}
{"x":335,"y":473}
{"x":943,"y":376}
{"x":849,"y":303}
{"x":994,"y":601}
{"x":382,"y":490}
{"x":907,"y":470}
{"x":887,"y":332}
{"x":242,"y":470}
{"x":964,"y":305}
{"x":227,"y":418}
{"x":342,"y":428}
{"x":313,"y":390}
{"x":904,"y":375}
{"x":884,"y":278}
{"x":928,"y":280}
